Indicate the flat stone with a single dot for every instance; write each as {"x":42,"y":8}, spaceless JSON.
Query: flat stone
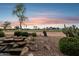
{"x":3,"y":48}
{"x":30,"y":54}
{"x":15,"y":45}
{"x":18,"y":40}
{"x":1,"y":42}
{"x":14,"y":37}
{"x":2,"y":38}
{"x":21,"y":43}
{"x":5,"y":54}
{"x":47,"y":47}
{"x":8,"y":39}
{"x":13,"y":50}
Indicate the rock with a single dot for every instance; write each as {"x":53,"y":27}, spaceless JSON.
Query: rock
{"x":1,"y":42}
{"x":20,"y":37}
{"x":24,"y":51}
{"x":15,"y":45}
{"x":7,"y":37}
{"x":47,"y":47}
{"x":41,"y":41}
{"x":15,"y":37}
{"x":28,"y":38}
{"x":27,"y":41}
{"x":21,"y":43}
{"x":5,"y":54}
{"x":2,"y":38}
{"x":30,"y":54}
{"x":30,"y":42}
{"x":34,"y":47}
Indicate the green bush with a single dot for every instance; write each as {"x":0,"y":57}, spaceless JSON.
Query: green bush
{"x":69,"y":46}
{"x":17,"y":33}
{"x":20,"y":33}
{"x":2,"y":34}
{"x":25,"y":34}
{"x":1,"y":29}
{"x":34,"y":34}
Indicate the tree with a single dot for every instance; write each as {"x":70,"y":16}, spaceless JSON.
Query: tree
{"x":17,"y":27}
{"x":6,"y":24}
{"x":19,"y":12}
{"x":35,"y":27}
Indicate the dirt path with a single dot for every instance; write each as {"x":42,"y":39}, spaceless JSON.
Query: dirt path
{"x":54,"y":34}
{"x":52,"y":43}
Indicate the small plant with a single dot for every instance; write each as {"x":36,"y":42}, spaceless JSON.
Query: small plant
{"x":17,"y":27}
{"x":20,"y":33}
{"x":1,"y":29}
{"x":17,"y":33}
{"x":25,"y":34}
{"x":2,"y":34}
{"x":34,"y":34}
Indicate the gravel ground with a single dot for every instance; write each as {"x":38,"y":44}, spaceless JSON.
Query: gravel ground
{"x":52,"y":46}
{"x":47,"y":46}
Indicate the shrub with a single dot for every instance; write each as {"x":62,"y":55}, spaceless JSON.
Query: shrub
{"x":45,"y":33}
{"x":17,"y":33}
{"x":25,"y":34}
{"x":34,"y":34}
{"x":1,"y":29}
{"x":17,"y":27}
{"x":20,"y":33}
{"x":69,"y":46}
{"x":2,"y":34}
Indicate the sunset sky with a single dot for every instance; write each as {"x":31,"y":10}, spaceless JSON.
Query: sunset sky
{"x":43,"y":14}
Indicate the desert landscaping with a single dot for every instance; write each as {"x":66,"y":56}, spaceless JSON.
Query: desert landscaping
{"x":39,"y":30}
{"x":41,"y":46}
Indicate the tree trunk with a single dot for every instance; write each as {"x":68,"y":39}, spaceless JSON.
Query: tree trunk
{"x":4,"y":28}
{"x":20,"y":25}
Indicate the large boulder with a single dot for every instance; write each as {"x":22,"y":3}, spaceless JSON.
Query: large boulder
{"x":24,"y":51}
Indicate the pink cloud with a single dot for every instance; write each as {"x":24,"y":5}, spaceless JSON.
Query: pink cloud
{"x":42,"y":20}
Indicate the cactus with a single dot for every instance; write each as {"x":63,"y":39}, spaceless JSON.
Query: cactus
{"x":71,"y":31}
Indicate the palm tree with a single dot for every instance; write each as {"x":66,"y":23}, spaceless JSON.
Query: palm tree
{"x":19,"y":12}
{"x":6,"y":24}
